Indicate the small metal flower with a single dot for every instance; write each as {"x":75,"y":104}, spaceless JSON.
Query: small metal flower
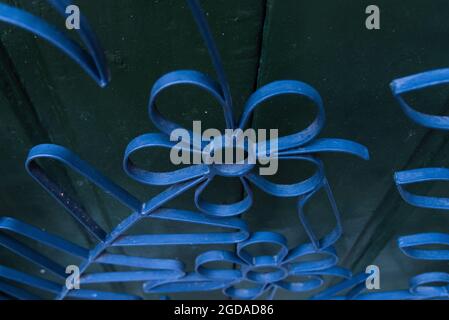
{"x":265,"y":274}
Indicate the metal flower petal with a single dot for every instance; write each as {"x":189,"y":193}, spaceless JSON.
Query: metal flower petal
{"x":264,"y":273}
{"x":168,"y":274}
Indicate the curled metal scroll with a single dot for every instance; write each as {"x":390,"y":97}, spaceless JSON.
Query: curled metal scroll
{"x":423,"y":286}
{"x":169,"y":275}
{"x":91,"y":59}
{"x":302,"y":145}
{"x":430,"y":285}
{"x":418,"y":82}
{"x":414,"y":246}
{"x":151,"y":269}
{"x":252,"y":269}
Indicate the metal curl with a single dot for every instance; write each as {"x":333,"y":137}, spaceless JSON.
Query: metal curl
{"x":92,"y":60}
{"x":422,"y":286}
{"x":301,"y":145}
{"x":169,"y":275}
{"x":418,"y":82}
{"x":354,"y":288}
{"x":284,"y":263}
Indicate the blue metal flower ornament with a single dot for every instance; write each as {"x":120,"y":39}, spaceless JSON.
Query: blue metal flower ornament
{"x":170,"y":275}
{"x":302,"y":145}
{"x":253,"y":270}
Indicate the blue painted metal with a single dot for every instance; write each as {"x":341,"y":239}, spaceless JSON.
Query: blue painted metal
{"x":169,"y":275}
{"x":411,"y":245}
{"x":252,"y":269}
{"x":418,"y":82}
{"x":355,"y":289}
{"x":91,"y":59}
{"x":299,"y":146}
{"x":422,"y":286}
